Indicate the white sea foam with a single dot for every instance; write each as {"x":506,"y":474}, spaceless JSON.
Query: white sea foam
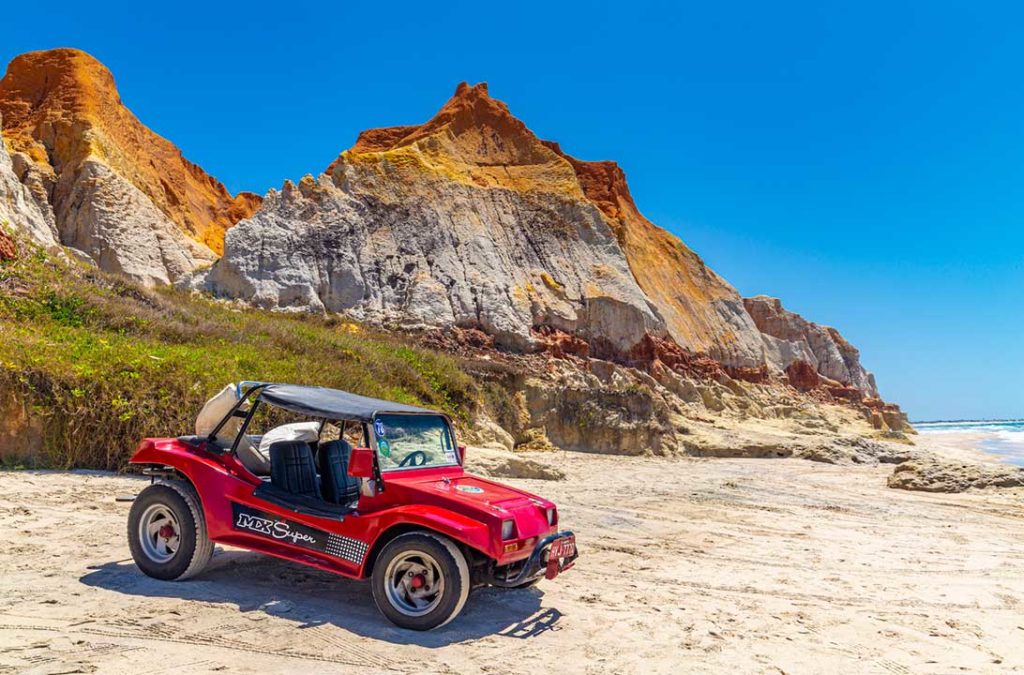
{"x":1000,"y":437}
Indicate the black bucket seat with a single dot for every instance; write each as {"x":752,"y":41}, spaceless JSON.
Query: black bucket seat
{"x":292,"y":468}
{"x":336,"y":485}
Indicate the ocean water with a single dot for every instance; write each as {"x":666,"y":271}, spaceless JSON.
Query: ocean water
{"x":1004,"y":438}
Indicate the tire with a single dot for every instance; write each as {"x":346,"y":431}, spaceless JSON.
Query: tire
{"x":526,"y":584}
{"x":177,"y":553}
{"x":437,"y":561}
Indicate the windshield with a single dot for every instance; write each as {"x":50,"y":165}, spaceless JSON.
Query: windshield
{"x":413,"y":441}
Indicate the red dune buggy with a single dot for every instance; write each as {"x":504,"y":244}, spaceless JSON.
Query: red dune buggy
{"x":366,"y":488}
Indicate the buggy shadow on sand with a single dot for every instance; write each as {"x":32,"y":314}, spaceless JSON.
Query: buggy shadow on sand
{"x":397,"y":508}
{"x":307,"y":597}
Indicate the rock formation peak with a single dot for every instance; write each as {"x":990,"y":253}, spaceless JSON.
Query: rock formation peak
{"x":88,"y":153}
{"x":561,"y":238}
{"x":471,"y":129}
{"x":60,"y":82}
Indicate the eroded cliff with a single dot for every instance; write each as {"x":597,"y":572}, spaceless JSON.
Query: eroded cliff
{"x":468,"y":220}
{"x":106,"y":184}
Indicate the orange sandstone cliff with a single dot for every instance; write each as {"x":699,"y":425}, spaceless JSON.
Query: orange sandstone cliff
{"x":113,"y":188}
{"x":467,"y":220}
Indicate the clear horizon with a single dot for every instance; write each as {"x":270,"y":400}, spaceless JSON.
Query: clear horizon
{"x":860,"y":163}
{"x":965,"y":421}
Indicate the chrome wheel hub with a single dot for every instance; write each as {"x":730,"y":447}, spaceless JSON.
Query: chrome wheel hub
{"x":159,"y":533}
{"x":414,"y":583}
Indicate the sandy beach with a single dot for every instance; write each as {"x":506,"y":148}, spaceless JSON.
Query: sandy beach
{"x":958,"y":445}
{"x":974,"y":444}
{"x":706,"y":565}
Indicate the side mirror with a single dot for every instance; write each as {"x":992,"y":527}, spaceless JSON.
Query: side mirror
{"x":360,"y":463}
{"x":462,"y":455}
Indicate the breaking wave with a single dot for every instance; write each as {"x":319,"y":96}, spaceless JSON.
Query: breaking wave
{"x":1000,"y":437}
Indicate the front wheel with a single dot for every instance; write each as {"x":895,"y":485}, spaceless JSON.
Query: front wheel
{"x":167,"y":532}
{"x":420,"y":581}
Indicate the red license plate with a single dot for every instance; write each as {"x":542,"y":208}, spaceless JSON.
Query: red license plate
{"x":562,"y":548}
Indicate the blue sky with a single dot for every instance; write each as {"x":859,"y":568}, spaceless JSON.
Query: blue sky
{"x":862,"y":161}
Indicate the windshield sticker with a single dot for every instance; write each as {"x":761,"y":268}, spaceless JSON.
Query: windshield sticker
{"x":378,"y":427}
{"x":450,"y":456}
{"x":384,"y":447}
{"x":472,"y":489}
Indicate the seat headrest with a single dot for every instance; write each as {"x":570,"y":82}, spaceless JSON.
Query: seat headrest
{"x":338,"y":445}
{"x":288,"y":448}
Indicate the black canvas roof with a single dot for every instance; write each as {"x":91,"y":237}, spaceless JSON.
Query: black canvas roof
{"x":331,"y":403}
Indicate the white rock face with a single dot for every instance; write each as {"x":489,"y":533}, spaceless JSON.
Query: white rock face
{"x":19,"y":207}
{"x":100,"y":216}
{"x":427,"y":251}
{"x":115,"y":224}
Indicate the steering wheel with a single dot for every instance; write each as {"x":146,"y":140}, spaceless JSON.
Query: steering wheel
{"x":414,"y":458}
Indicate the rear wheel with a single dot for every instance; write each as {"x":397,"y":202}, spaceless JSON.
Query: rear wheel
{"x":167,"y":532}
{"x":420,"y":581}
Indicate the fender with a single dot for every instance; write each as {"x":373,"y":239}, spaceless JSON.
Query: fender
{"x":208,"y":473}
{"x":466,"y":531}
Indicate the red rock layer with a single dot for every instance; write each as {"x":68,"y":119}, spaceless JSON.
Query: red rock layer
{"x":8,"y":251}
{"x":802,"y":375}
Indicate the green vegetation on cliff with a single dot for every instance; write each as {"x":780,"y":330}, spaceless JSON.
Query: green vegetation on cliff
{"x":97,"y":362}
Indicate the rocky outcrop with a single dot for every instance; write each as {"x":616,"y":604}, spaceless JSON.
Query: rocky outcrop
{"x":932,"y":474}
{"x":104,"y":183}
{"x":468,"y":220}
{"x":792,"y":343}
{"x":19,"y":205}
{"x":702,"y":312}
{"x":802,"y":375}
{"x":496,"y":463}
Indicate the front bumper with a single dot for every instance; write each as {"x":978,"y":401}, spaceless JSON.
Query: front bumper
{"x":537,"y":564}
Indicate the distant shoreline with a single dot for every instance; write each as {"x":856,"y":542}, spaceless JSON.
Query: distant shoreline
{"x":969,"y":421}
{"x":999,"y":441}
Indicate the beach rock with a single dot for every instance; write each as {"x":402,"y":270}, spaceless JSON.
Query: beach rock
{"x":504,"y":464}
{"x":101,"y":182}
{"x":932,"y":474}
{"x":856,"y":450}
{"x":741,"y":449}
{"x":791,"y":339}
